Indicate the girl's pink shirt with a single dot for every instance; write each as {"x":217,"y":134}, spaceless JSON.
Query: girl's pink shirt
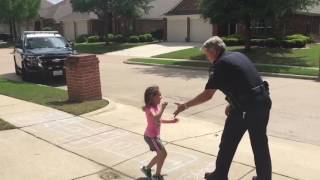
{"x":153,"y":127}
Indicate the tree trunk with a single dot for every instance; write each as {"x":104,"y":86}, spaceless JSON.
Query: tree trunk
{"x":14,"y":30}
{"x":248,"y":33}
{"x":11,"y":29}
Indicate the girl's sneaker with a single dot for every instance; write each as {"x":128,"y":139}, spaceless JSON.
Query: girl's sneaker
{"x":146,"y":172}
{"x":157,"y":177}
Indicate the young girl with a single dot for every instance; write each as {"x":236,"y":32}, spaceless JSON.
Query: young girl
{"x":154,"y":111}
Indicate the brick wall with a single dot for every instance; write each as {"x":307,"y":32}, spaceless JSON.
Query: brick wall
{"x":303,"y":24}
{"x":83,"y":78}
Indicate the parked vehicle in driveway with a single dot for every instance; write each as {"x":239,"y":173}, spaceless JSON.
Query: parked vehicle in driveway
{"x":41,"y":53}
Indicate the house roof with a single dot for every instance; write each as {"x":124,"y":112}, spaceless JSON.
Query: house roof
{"x":159,"y":8}
{"x":188,"y":7}
{"x":45,"y":4}
{"x":63,"y":11}
{"x":313,"y":10}
{"x":185,"y":7}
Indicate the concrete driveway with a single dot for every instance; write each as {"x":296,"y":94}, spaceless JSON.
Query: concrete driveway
{"x":154,"y":49}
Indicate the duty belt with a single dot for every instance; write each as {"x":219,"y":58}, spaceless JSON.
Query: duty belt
{"x":242,"y":101}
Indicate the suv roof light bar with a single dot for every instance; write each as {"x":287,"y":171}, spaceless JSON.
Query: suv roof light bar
{"x":40,"y":32}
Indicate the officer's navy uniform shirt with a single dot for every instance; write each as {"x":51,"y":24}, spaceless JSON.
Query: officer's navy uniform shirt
{"x":233,"y":73}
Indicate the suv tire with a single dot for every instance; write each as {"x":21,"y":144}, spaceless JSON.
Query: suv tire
{"x":16,"y":68}
{"x":24,"y":74}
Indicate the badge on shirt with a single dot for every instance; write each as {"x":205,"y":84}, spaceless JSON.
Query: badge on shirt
{"x":211,"y":72}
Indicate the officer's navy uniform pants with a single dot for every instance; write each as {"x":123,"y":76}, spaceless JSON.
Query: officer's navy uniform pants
{"x":255,"y":120}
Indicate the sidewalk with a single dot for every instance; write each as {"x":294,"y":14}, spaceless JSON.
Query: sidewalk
{"x":109,"y":145}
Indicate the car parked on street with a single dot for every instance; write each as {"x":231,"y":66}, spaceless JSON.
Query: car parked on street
{"x":41,"y":53}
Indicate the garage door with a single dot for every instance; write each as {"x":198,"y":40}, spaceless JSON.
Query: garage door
{"x":68,"y":30}
{"x":82,"y":27}
{"x":177,"y":30}
{"x":200,"y":30}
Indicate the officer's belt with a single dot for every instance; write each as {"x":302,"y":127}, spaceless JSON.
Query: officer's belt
{"x":243,"y":100}
{"x":260,"y":89}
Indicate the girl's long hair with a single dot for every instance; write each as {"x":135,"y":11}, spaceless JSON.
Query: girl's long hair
{"x":149,"y":93}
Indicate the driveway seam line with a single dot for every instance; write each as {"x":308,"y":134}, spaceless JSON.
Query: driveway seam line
{"x":193,"y":137}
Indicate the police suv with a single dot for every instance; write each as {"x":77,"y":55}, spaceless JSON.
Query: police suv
{"x":42,"y":53}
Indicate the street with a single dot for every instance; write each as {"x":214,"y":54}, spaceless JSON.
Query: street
{"x":295,"y":114}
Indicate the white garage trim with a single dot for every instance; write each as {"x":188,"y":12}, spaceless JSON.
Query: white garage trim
{"x":177,"y":29}
{"x":68,"y":30}
{"x":200,"y":30}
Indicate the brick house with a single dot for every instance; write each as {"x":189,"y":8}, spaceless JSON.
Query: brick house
{"x":69,"y":23}
{"x":184,"y":23}
{"x":72,"y":24}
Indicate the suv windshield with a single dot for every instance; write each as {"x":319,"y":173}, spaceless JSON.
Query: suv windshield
{"x":45,"y":42}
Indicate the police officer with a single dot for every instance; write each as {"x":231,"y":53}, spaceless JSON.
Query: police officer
{"x":248,"y":109}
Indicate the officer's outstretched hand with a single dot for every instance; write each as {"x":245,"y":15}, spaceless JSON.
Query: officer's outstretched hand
{"x":180,"y":108}
{"x":228,"y":109}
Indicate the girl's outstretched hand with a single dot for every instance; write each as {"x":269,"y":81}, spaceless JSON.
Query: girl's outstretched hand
{"x":175,"y":120}
{"x":164,"y":105}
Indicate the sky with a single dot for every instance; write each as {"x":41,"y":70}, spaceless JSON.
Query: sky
{"x":55,"y":1}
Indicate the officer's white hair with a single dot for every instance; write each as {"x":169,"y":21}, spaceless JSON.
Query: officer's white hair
{"x":214,"y":43}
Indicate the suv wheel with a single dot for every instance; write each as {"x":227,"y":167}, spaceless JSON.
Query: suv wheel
{"x":16,"y":68}
{"x":24,"y":74}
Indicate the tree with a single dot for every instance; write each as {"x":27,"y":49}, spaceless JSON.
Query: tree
{"x":245,"y":11}
{"x":14,"y":12}
{"x":108,"y":10}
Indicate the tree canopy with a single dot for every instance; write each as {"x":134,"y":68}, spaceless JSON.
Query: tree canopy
{"x":244,"y":11}
{"x":16,"y":11}
{"x":106,"y":10}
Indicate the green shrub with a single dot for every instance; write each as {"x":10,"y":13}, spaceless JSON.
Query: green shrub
{"x":272,"y":42}
{"x":237,"y":36}
{"x":231,"y":41}
{"x":157,"y":34}
{"x":47,"y":28}
{"x":82,"y":38}
{"x":300,"y":43}
{"x":119,"y":38}
{"x":142,"y":38}
{"x":288,"y":43}
{"x":133,"y":39}
{"x":93,"y":39}
{"x":258,"y":42}
{"x":299,"y":36}
{"x":294,"y":43}
{"x":109,"y":37}
{"x":148,"y":37}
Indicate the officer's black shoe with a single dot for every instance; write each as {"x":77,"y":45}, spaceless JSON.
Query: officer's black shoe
{"x":212,"y":176}
{"x":255,"y":178}
{"x":208,"y":176}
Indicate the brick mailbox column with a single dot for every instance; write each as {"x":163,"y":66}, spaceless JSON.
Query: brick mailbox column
{"x":83,"y":78}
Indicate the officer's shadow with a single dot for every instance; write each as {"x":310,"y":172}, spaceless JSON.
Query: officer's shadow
{"x":142,"y":178}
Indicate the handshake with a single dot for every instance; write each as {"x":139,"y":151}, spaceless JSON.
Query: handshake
{"x":180,"y":108}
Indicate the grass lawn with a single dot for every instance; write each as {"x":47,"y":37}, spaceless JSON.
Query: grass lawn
{"x":101,"y":47}
{"x":5,"y":125}
{"x":47,"y":96}
{"x":261,"y":68}
{"x":308,"y":57}
{"x":6,"y":45}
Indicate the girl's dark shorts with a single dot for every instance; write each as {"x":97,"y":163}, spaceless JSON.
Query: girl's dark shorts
{"x":155,"y":143}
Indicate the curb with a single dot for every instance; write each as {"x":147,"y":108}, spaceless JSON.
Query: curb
{"x":202,"y":68}
{"x":167,"y":66}
{"x":110,"y":107}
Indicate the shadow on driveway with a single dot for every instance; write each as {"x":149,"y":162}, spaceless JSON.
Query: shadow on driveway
{"x":173,"y":72}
